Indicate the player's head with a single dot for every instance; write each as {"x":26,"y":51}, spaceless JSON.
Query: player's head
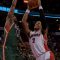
{"x":38,"y":25}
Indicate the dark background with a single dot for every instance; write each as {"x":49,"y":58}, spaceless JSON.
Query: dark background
{"x":50,"y":7}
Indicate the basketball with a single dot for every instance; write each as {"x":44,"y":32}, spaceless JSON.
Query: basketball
{"x":33,"y":4}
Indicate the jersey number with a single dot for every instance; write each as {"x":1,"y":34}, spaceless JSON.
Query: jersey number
{"x":33,"y":40}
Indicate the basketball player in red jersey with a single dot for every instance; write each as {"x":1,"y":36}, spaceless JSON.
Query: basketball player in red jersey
{"x":46,"y":46}
{"x":36,"y":39}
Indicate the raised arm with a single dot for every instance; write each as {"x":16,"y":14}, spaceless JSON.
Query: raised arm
{"x":14,"y":2}
{"x":11,"y":12}
{"x":24,"y":21}
{"x":42,"y":15}
{"x":31,"y":5}
{"x":41,"y":11}
{"x":10,"y":17}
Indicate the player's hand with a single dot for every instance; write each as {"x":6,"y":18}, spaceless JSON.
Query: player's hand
{"x":32,"y":4}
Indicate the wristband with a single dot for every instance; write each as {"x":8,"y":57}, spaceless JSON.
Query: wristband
{"x":28,"y":11}
{"x":40,"y":7}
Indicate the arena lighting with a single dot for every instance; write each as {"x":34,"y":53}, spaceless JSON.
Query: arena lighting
{"x":6,"y":9}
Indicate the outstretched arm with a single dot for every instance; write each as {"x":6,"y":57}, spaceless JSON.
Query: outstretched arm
{"x":10,"y":17}
{"x":31,"y":5}
{"x":11,"y":12}
{"x":24,"y":21}
{"x":14,"y":2}
{"x":41,"y":11}
{"x":42,"y":15}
